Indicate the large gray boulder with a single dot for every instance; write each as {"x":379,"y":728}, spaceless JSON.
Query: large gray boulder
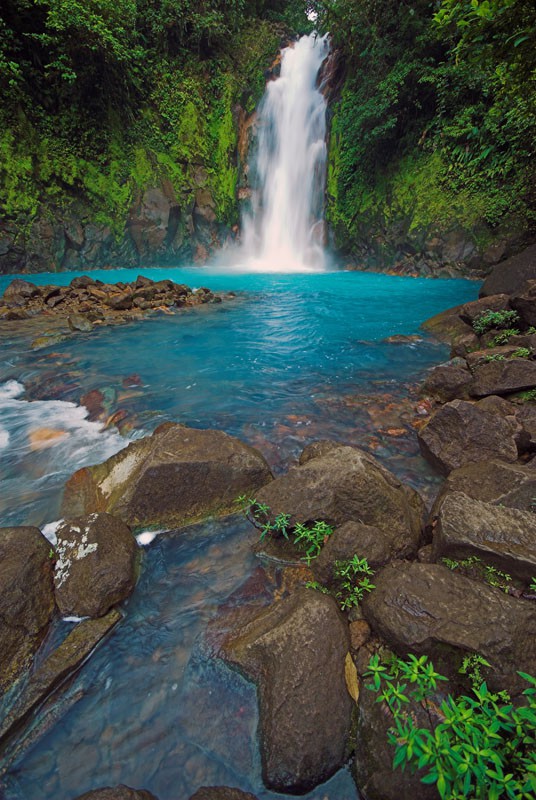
{"x":295,"y":651}
{"x":462,"y":433}
{"x":120,"y":792}
{"x":471,"y":311}
{"x":503,"y":537}
{"x":26,"y":598}
{"x":429,"y":609}
{"x":524,"y":302}
{"x":497,"y":482}
{"x":96,"y":565}
{"x":448,"y":381}
{"x":510,"y":275}
{"x":503,"y":377}
{"x":337,"y":483}
{"x":374,"y":773}
{"x":354,"y":538}
{"x":174,"y":477}
{"x":221,"y":793}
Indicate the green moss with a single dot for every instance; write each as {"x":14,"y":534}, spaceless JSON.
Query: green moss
{"x":181,"y":129}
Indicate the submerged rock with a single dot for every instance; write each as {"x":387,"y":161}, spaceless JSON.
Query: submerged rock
{"x":428,"y":609}
{"x":26,"y":598}
{"x":176,"y":476}
{"x":295,"y":651}
{"x":96,"y":566}
{"x":62,"y":662}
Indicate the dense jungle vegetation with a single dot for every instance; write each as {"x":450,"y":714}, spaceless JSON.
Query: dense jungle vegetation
{"x":436,"y":118}
{"x":103,"y":97}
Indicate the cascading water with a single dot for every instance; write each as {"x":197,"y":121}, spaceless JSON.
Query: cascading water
{"x":284,"y":231}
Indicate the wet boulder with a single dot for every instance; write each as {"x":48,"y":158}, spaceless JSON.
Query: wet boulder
{"x":19,"y":288}
{"x":524,"y":302}
{"x":120,"y":792}
{"x":96,"y":567}
{"x":510,"y":275}
{"x":354,"y":538}
{"x":448,"y":326}
{"x":26,"y":598}
{"x":462,"y":433}
{"x":79,"y":322}
{"x":429,"y":609}
{"x":337,"y":483}
{"x":176,"y":476}
{"x":503,"y":537}
{"x":374,"y":773}
{"x":295,"y":651}
{"x":471,"y":311}
{"x":503,"y":377}
{"x":497,"y":482}
{"x":448,"y":381}
{"x":221,"y":793}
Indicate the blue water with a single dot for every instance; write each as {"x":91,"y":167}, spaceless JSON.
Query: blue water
{"x":292,"y":359}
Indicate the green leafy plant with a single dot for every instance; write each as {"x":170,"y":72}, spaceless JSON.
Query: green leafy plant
{"x":471,"y":666}
{"x":496,"y":577}
{"x":317,"y":587}
{"x":529,"y":395}
{"x":489,"y":319}
{"x":503,"y":337}
{"x":481,"y":747}
{"x":532,"y":585}
{"x":307,"y":538}
{"x":521,"y":352}
{"x":495,"y":357}
{"x":492,"y":575}
{"x":353,"y":581}
{"x":311,"y":538}
{"x":466,"y":562}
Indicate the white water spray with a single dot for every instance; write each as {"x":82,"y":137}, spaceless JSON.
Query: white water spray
{"x":284,"y":231}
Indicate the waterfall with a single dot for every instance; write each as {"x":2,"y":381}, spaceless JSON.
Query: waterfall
{"x":283,"y":231}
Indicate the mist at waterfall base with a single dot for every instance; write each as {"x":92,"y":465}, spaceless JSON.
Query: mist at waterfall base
{"x":282,"y":227}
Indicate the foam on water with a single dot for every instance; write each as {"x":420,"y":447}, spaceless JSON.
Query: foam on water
{"x":43,"y":442}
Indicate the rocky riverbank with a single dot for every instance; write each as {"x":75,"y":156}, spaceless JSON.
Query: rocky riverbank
{"x":86,"y":302}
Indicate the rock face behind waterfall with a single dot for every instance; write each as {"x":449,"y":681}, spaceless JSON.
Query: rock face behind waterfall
{"x":177,"y":475}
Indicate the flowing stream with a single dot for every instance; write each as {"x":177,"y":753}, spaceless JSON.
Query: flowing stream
{"x":284,"y":230}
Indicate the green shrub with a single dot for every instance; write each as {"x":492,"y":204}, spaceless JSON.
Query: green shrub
{"x":306,"y":538}
{"x":503,"y":337}
{"x":482,"y":746}
{"x":352,"y":581}
{"x":489,"y":319}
